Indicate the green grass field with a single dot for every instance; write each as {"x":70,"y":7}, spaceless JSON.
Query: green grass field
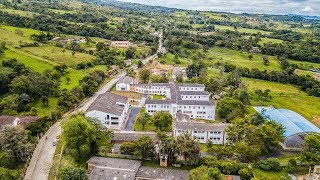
{"x":240,"y":59}
{"x":19,"y":12}
{"x":30,"y":61}
{"x":269,"y":40}
{"x":288,"y":97}
{"x":14,"y":36}
{"x":169,"y":59}
{"x":58,"y":55}
{"x":242,"y":30}
{"x":264,"y":175}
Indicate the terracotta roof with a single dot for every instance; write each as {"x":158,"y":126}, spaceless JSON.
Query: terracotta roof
{"x":109,"y":103}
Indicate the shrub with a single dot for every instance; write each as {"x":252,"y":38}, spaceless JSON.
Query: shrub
{"x":245,"y":173}
{"x":270,"y":164}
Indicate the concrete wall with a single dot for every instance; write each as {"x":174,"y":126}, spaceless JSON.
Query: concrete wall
{"x":217,"y":137}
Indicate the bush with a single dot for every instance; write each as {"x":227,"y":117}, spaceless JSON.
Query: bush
{"x":245,"y":173}
{"x":73,"y":174}
{"x":6,"y":161}
{"x":229,"y":167}
{"x":270,"y":164}
{"x":7,"y":174}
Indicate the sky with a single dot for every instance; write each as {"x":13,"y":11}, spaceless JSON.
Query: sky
{"x":301,"y":7}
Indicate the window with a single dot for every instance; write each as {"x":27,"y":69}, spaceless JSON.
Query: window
{"x":114,"y":123}
{"x":195,"y":131}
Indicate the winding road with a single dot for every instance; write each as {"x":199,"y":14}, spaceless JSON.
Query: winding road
{"x":42,"y":158}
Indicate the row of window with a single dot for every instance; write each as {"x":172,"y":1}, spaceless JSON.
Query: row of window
{"x":191,"y":97}
{"x":187,"y":88}
{"x":190,"y":107}
{"x":200,"y":132}
{"x":155,"y":106}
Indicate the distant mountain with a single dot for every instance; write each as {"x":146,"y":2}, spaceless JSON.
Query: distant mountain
{"x":306,"y":17}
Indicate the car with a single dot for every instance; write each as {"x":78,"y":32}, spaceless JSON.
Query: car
{"x":55,"y":142}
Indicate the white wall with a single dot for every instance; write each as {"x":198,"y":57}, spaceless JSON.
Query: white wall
{"x":195,"y":97}
{"x":123,"y":87}
{"x":198,"y":111}
{"x":106,"y":119}
{"x":182,"y":88}
{"x":217,"y":137}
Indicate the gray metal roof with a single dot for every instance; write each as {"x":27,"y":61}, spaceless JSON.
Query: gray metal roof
{"x":125,"y":80}
{"x":107,"y":103}
{"x":190,"y":85}
{"x":113,"y":168}
{"x":161,"y":173}
{"x":191,"y":126}
{"x":148,"y":101}
{"x":195,"y":102}
{"x":194,"y":93}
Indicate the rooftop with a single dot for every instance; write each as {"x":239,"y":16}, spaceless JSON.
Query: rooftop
{"x":293,"y":122}
{"x":191,"y":126}
{"x":189,"y":85}
{"x":125,"y":80}
{"x":194,"y":93}
{"x":129,"y":136}
{"x":109,"y":103}
{"x":148,"y":101}
{"x":113,"y":168}
{"x":161,"y":173}
{"x":195,"y":102}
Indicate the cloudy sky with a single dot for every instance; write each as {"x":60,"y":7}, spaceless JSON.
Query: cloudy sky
{"x":304,"y":7}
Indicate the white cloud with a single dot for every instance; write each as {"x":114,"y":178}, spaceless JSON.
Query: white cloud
{"x":306,"y":7}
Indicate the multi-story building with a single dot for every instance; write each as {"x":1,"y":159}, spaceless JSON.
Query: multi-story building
{"x":121,"y":43}
{"x":204,"y":132}
{"x":110,"y":109}
{"x":190,"y":99}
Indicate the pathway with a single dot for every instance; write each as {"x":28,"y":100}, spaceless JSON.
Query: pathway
{"x":42,"y":157}
{"x":133,"y":114}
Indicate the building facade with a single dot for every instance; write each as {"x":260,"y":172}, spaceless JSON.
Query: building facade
{"x":110,"y":109}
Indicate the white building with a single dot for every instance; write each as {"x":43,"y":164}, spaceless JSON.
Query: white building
{"x":194,"y":108}
{"x":215,"y":132}
{"x":125,"y":83}
{"x":190,"y":99}
{"x":110,"y":109}
{"x":121,"y":43}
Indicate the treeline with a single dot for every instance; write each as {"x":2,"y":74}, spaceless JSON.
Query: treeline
{"x":25,"y":87}
{"x":123,"y":31}
{"x":305,"y":83}
{"x":178,"y":40}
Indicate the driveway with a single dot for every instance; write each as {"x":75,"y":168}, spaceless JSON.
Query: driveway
{"x":42,"y":157}
{"x":143,"y":100}
{"x":132,"y":116}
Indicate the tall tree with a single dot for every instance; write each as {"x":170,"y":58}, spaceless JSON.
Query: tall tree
{"x":162,"y":120}
{"x":187,"y":148}
{"x":15,"y":141}
{"x":78,"y":136}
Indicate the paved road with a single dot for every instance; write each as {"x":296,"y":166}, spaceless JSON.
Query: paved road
{"x":132,"y":116}
{"x":42,"y":157}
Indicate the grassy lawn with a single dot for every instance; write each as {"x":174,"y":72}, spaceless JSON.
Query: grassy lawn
{"x":10,"y":35}
{"x":158,"y":97}
{"x":305,"y":65}
{"x":269,"y":40}
{"x":59,"y":55}
{"x":288,"y":97}
{"x":132,"y":95}
{"x":19,"y":12}
{"x":260,"y":174}
{"x":304,"y":72}
{"x":30,"y":61}
{"x":169,"y":59}
{"x":45,"y":111}
{"x":240,"y":59}
{"x":76,"y":75}
{"x":242,"y":30}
